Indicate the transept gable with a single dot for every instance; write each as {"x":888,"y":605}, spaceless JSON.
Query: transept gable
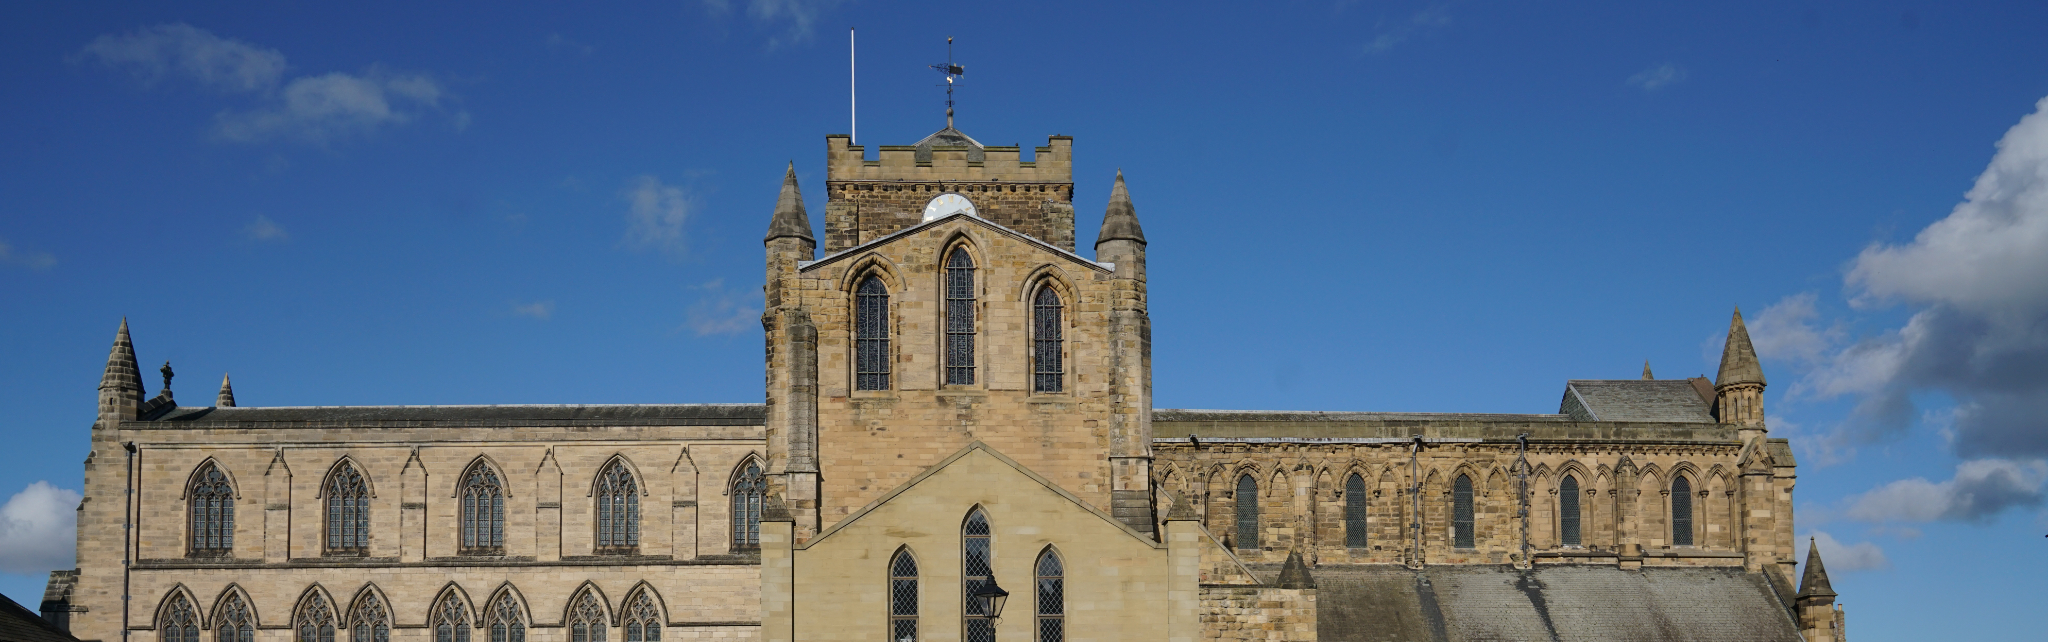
{"x":879,"y":245}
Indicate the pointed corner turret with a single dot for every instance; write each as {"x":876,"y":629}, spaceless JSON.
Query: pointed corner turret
{"x":1646,"y":371}
{"x":1820,"y":619}
{"x":790,"y":221}
{"x":227,"y":394}
{"x":1813,"y":584}
{"x":1738,"y":358}
{"x":121,"y":384}
{"x":1120,"y":221}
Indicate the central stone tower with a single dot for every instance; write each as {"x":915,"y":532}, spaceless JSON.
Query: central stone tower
{"x":870,"y":199}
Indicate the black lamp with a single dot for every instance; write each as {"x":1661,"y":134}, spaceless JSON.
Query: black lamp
{"x":992,"y":598}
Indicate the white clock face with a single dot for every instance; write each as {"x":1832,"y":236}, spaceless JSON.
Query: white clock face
{"x":947,"y":204}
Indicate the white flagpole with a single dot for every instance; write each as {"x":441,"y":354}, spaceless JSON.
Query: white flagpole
{"x":852,"y":97}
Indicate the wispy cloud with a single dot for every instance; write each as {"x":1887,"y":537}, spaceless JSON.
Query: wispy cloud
{"x":1980,"y":490}
{"x":1836,"y":556}
{"x":542,"y":310}
{"x":794,"y":20}
{"x":1658,"y":77}
{"x":656,"y":214}
{"x":38,"y":261}
{"x":315,"y":109}
{"x":1387,"y":35}
{"x":39,"y":529}
{"x":721,"y":311}
{"x":264,"y":229}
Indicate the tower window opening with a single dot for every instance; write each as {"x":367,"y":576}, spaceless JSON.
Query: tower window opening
{"x":959,"y":318}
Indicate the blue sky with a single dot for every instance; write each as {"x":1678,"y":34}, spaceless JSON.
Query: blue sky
{"x":1418,"y":206}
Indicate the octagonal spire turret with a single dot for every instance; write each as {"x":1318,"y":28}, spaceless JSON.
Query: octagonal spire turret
{"x":790,"y":221}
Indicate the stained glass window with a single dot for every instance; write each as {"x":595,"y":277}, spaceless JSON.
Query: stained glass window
{"x":1461,"y":512}
{"x":586,"y":619}
{"x":959,"y":318}
{"x":1247,"y":513}
{"x":1052,"y":598}
{"x":348,"y":511}
{"x":371,"y":623}
{"x":316,"y":620}
{"x":448,"y":621}
{"x":618,"y":509}
{"x":180,"y":623}
{"x":483,"y":512}
{"x":506,"y":623}
{"x":903,"y":597}
{"x":233,"y":624}
{"x":871,"y":335}
{"x":1354,"y":512}
{"x":643,"y":619}
{"x":1047,"y":366}
{"x":748,"y":490}
{"x":213,"y":513}
{"x":1568,"y":511}
{"x":1681,"y":512}
{"x":975,"y":571}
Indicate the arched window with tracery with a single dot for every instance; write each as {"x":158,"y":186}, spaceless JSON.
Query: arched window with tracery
{"x":315,"y":621}
{"x":348,"y":511}
{"x":483,"y":512}
{"x":507,"y":624}
{"x":180,"y":622}
{"x":448,"y":621}
{"x":234,"y":624}
{"x":749,"y":489}
{"x":871,"y":335}
{"x":1568,"y":511}
{"x":643,"y":619}
{"x":369,"y":621}
{"x":976,"y":570}
{"x":212,"y":502}
{"x":618,"y":510}
{"x":1247,"y":513}
{"x":1048,"y":368}
{"x":1052,"y":597}
{"x":1354,"y":512}
{"x":586,"y":619}
{"x":903,"y":597}
{"x":1681,"y":511}
{"x":1461,"y":512}
{"x":959,"y":318}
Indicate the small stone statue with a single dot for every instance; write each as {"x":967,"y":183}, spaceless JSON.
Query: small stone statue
{"x":167,"y":375}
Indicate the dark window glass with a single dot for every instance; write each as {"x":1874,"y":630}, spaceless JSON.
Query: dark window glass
{"x":974,"y":572}
{"x":586,"y":620}
{"x":1568,"y":511}
{"x":234,"y":624}
{"x":643,"y":619}
{"x":1247,"y":513}
{"x":372,"y":622}
{"x":959,"y":318}
{"x":1047,"y":367}
{"x":618,"y":510}
{"x":1461,"y":512}
{"x":348,"y":511}
{"x":483,"y":513}
{"x":449,"y":623}
{"x":506,"y":624}
{"x":181,"y":623}
{"x":213,"y":513}
{"x":871,"y":335}
{"x":903,"y":597}
{"x":747,"y":492}
{"x":1052,"y":598}
{"x":1681,"y":512}
{"x":316,"y":620}
{"x":1354,"y":511}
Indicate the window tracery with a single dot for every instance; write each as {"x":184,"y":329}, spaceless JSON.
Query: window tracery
{"x":618,"y":510}
{"x":212,"y":504}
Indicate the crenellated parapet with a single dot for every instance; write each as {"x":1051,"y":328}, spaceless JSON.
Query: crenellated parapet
{"x":870,"y":199}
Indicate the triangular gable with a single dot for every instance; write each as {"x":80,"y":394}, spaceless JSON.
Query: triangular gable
{"x":857,"y":250}
{"x":1000,"y":457}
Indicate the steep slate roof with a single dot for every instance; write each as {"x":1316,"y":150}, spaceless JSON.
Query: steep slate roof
{"x":952,"y":138}
{"x":619,"y":414}
{"x":1673,"y":400}
{"x":1579,"y":603}
{"x":1738,"y":357}
{"x":1253,"y":426}
{"x":18,"y":624}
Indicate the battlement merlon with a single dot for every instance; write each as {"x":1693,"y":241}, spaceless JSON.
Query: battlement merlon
{"x":1052,"y":163}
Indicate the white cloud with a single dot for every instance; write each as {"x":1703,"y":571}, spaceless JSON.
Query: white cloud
{"x":39,"y":530}
{"x":800,"y":16}
{"x":1861,"y":556}
{"x":153,"y":52}
{"x":32,"y":260}
{"x":1786,"y":330}
{"x":1979,"y":492}
{"x":264,"y":229}
{"x":722,"y":311}
{"x":1430,"y":18}
{"x":1658,"y":77}
{"x":539,"y":310}
{"x":656,"y":214}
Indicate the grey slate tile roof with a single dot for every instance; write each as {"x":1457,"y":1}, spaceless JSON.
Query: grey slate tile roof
{"x":1672,"y":400}
{"x":608,"y":414}
{"x":1589,"y":603}
{"x":1175,"y":425}
{"x":18,"y":624}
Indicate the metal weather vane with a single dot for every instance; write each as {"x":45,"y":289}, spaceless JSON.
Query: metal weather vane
{"x":953,"y":72}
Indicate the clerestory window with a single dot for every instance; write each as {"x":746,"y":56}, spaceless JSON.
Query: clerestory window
{"x":1247,"y":513}
{"x":618,"y":510}
{"x":1354,"y":512}
{"x":1047,"y":364}
{"x":1568,"y":511}
{"x":483,"y":512}
{"x":749,"y":488}
{"x":212,"y":505}
{"x":1681,"y":512}
{"x":959,"y":318}
{"x":1461,"y":512}
{"x":871,"y":335}
{"x":348,"y":511}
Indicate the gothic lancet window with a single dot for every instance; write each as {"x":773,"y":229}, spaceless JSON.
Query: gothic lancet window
{"x":903,"y":597}
{"x":586,"y":619}
{"x":1681,"y":512}
{"x":749,"y":488}
{"x":213,"y":513}
{"x":233,"y":624}
{"x":1052,"y":597}
{"x":1046,"y":364}
{"x":618,"y":510}
{"x":180,"y":623}
{"x":871,"y":335}
{"x":975,"y":570}
{"x":348,"y":511}
{"x":1568,"y":511}
{"x":369,"y":621}
{"x":959,"y":318}
{"x":643,"y":619}
{"x":1247,"y":513}
{"x":448,"y":621}
{"x":506,"y":623}
{"x":483,"y":512}
{"x":1354,"y":512}
{"x":316,"y":621}
{"x":1461,"y":512}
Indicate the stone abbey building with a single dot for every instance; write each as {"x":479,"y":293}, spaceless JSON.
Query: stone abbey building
{"x":957,"y":442}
